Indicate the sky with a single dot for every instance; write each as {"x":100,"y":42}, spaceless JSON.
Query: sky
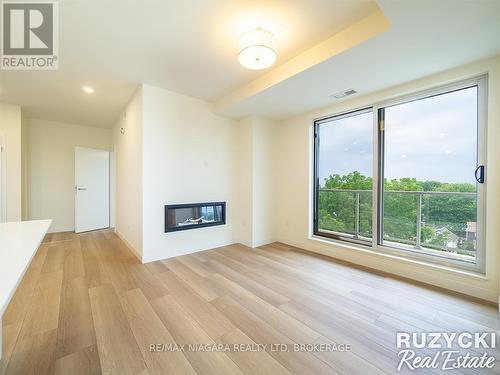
{"x":429,"y":139}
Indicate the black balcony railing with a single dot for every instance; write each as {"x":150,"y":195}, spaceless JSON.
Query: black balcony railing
{"x":458,"y":225}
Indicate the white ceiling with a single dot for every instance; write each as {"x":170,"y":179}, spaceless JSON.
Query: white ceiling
{"x":187,"y":46}
{"x":191,"y":47}
{"x":425,"y":37}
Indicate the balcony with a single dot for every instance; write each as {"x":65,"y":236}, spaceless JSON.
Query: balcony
{"x":433,"y":222}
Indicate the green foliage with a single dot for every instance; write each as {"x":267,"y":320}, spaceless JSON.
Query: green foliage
{"x":452,"y":212}
{"x":351,"y":181}
{"x":337,"y":210}
{"x":403,"y":184}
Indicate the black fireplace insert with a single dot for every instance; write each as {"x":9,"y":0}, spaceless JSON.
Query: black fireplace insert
{"x":194,"y":215}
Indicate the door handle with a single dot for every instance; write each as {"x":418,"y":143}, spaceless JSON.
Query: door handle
{"x":479,"y":174}
{"x":81,"y":188}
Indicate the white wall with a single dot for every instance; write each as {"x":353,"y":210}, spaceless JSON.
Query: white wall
{"x":190,"y":155}
{"x":51,"y":168}
{"x":128,"y":170}
{"x":294,"y":155}
{"x":244,"y":217}
{"x":112,"y":189}
{"x":24,"y":167}
{"x":256,"y":185}
{"x":264,"y":184}
{"x":10,"y":130}
{"x":175,"y":150}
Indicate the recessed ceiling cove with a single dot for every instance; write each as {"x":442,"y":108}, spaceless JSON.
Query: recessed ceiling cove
{"x":191,"y":47}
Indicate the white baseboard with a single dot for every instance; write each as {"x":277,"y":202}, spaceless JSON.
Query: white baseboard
{"x":256,"y":244}
{"x":263,"y":242}
{"x":247,"y":244}
{"x":129,"y":245}
{"x":67,"y":228}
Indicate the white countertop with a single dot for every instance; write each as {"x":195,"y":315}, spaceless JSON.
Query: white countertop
{"x":19,"y":242}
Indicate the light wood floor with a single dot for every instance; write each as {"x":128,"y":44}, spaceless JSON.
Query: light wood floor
{"x":87,"y":306}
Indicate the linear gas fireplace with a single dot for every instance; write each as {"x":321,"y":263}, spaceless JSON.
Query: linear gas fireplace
{"x":194,"y":215}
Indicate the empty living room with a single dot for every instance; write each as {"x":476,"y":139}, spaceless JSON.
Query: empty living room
{"x":210,"y":187}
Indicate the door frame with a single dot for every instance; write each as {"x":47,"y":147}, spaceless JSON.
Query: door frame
{"x":481,"y":82}
{"x":75,"y":187}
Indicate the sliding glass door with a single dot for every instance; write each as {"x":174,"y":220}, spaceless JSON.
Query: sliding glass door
{"x":429,"y":188}
{"x":344,"y":152}
{"x":424,"y":195}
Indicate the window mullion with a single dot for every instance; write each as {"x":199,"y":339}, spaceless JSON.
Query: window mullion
{"x":375,"y":174}
{"x":379,"y":172}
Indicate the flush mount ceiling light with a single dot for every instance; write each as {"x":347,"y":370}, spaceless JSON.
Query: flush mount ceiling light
{"x":88,"y":89}
{"x":257,"y":49}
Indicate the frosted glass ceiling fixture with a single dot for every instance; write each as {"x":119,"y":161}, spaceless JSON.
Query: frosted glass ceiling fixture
{"x":88,"y":89}
{"x":257,"y":49}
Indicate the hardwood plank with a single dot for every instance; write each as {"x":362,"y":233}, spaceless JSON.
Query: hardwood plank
{"x":241,"y":254}
{"x":213,"y":322}
{"x":108,"y":234}
{"x":185,"y":330}
{"x":364,"y":346}
{"x":49,"y":237}
{"x":231,"y":272}
{"x":118,"y":350}
{"x":450,"y":321}
{"x":76,"y":327}
{"x":280,"y":256}
{"x":65,"y":236}
{"x":309,"y":279}
{"x":54,"y":261}
{"x":73,"y":262}
{"x":106,"y":248}
{"x":16,"y":311}
{"x":113,"y":243}
{"x":345,"y":362}
{"x":150,"y":286}
{"x":149,"y":330}
{"x":276,"y":318}
{"x":10,"y":334}
{"x":276,"y":294}
{"x":420,"y":317}
{"x":156,"y":267}
{"x":310,"y":294}
{"x":119,"y":273}
{"x":19,"y":305}
{"x":34,"y":355}
{"x":202,"y":256}
{"x":81,"y":362}
{"x":95,"y":274}
{"x":263,"y":333}
{"x":199,"y":284}
{"x":38,"y":259}
{"x":290,"y":285}
{"x":195,"y":265}
{"x":251,"y":362}
{"x":43,"y":312}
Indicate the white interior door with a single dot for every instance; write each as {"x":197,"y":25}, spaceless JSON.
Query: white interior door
{"x":91,"y":189}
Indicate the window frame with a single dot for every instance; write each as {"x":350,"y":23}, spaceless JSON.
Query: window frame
{"x":317,"y":123}
{"x":427,"y":256}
